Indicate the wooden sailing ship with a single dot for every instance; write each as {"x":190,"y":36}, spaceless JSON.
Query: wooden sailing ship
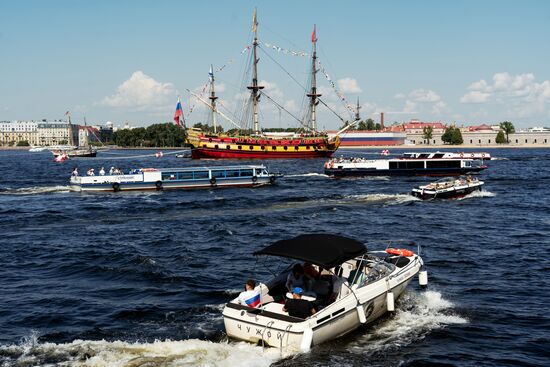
{"x":253,"y":143}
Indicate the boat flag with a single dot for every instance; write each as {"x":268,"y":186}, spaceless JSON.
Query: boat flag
{"x":253,"y":301}
{"x":67,"y":113}
{"x":254,"y":21}
{"x":178,"y":113}
{"x":211,"y":74}
{"x":314,"y":35}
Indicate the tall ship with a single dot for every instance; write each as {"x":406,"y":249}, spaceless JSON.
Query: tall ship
{"x":251,"y":141}
{"x":74,"y":150}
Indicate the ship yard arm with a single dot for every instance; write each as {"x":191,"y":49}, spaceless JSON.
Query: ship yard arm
{"x":212,"y":108}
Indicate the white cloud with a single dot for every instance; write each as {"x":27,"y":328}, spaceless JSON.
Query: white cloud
{"x":475,"y":97}
{"x":424,"y":96}
{"x":439,"y":108}
{"x":141,"y":92}
{"x":348,"y":85}
{"x":410,"y":107}
{"x":521,"y":94}
{"x":399,"y":96}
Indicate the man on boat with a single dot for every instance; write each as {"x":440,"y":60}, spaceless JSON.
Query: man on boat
{"x":102,"y":171}
{"x":75,"y":172}
{"x":295,"y":278}
{"x":250,"y":296}
{"x":298,"y":307}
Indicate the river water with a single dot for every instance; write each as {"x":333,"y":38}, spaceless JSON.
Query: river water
{"x":140,"y":279}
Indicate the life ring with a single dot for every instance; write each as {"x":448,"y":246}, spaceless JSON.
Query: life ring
{"x":272,"y":179}
{"x":482,"y":155}
{"x":116,"y":187}
{"x":472,"y":155}
{"x":210,"y":140}
{"x":461,"y":155}
{"x":158,"y":185}
{"x":213,"y":181}
{"x":399,"y":252}
{"x":254,"y":179}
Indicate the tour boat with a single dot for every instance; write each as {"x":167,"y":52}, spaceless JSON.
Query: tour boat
{"x":251,"y":141}
{"x":365,"y":285}
{"x":448,"y":188}
{"x":409,"y":164}
{"x":176,"y":178}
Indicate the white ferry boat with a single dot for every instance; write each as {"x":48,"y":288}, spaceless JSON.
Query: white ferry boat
{"x":409,"y":164}
{"x":362,"y":286}
{"x":176,"y":178}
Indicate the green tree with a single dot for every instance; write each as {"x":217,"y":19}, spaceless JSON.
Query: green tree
{"x":452,"y":135}
{"x":427,"y":133}
{"x":370,"y":124}
{"x":456,"y":138}
{"x":377,"y":126}
{"x":23,"y":143}
{"x":362,"y":126}
{"x":447,"y":135}
{"x":508,"y":129}
{"x":500,"y":139}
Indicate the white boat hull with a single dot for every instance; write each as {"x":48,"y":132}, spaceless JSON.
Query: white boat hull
{"x":262,"y":326}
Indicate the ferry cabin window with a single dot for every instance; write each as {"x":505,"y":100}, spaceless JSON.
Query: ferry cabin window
{"x":407,"y":165}
{"x":232,"y":173}
{"x":247,"y":173}
{"x":185,"y":175}
{"x":199,"y":175}
{"x":443,"y":164}
{"x":218,"y":174}
{"x":439,"y":155}
{"x":168,"y":176}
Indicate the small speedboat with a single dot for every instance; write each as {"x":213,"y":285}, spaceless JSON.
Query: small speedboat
{"x":350,"y":287}
{"x":448,"y":188}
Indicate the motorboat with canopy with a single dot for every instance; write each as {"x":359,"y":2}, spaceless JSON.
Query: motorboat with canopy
{"x":350,"y":286}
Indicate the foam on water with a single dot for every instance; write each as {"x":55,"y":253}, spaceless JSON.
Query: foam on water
{"x":310,"y":174}
{"x":416,"y":315}
{"x":387,"y":198}
{"x":192,"y":352}
{"x":478,"y":194}
{"x":35,"y":190}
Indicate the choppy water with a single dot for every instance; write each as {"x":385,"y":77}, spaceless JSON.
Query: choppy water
{"x":140,"y":279}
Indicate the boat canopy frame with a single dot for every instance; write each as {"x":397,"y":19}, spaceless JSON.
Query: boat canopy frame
{"x":324,"y":250}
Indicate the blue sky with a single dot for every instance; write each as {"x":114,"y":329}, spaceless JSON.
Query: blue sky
{"x":126,"y":61}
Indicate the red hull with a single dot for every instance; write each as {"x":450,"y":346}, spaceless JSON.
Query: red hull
{"x":222,"y":153}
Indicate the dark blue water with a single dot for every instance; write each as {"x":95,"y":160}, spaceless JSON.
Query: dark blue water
{"x":140,"y":279}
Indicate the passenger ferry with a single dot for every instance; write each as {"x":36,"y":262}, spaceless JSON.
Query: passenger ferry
{"x":448,"y":188}
{"x":176,"y":178}
{"x":409,"y":164}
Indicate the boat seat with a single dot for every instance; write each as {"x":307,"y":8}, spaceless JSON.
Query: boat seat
{"x":274,"y":307}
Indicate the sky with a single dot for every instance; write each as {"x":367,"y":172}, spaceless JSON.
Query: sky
{"x":467,"y":62}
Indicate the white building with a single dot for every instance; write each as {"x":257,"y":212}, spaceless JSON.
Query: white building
{"x":12,"y":132}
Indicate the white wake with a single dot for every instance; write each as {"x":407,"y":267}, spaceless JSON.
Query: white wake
{"x":192,"y":352}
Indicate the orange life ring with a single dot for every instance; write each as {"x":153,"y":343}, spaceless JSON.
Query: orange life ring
{"x":399,"y":252}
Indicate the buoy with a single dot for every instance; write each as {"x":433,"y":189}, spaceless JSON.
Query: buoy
{"x":423,"y":278}
{"x":361,"y":314}
{"x":390,"y":301}
{"x":307,"y":338}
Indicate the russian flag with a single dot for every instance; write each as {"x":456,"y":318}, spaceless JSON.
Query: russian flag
{"x":253,"y":301}
{"x":178,"y":113}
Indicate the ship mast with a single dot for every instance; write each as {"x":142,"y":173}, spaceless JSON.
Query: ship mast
{"x":357,"y":117}
{"x":255,"y":87}
{"x":213,"y":98}
{"x":314,"y":95}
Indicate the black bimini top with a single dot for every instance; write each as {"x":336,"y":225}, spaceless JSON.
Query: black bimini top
{"x":325,"y":250}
